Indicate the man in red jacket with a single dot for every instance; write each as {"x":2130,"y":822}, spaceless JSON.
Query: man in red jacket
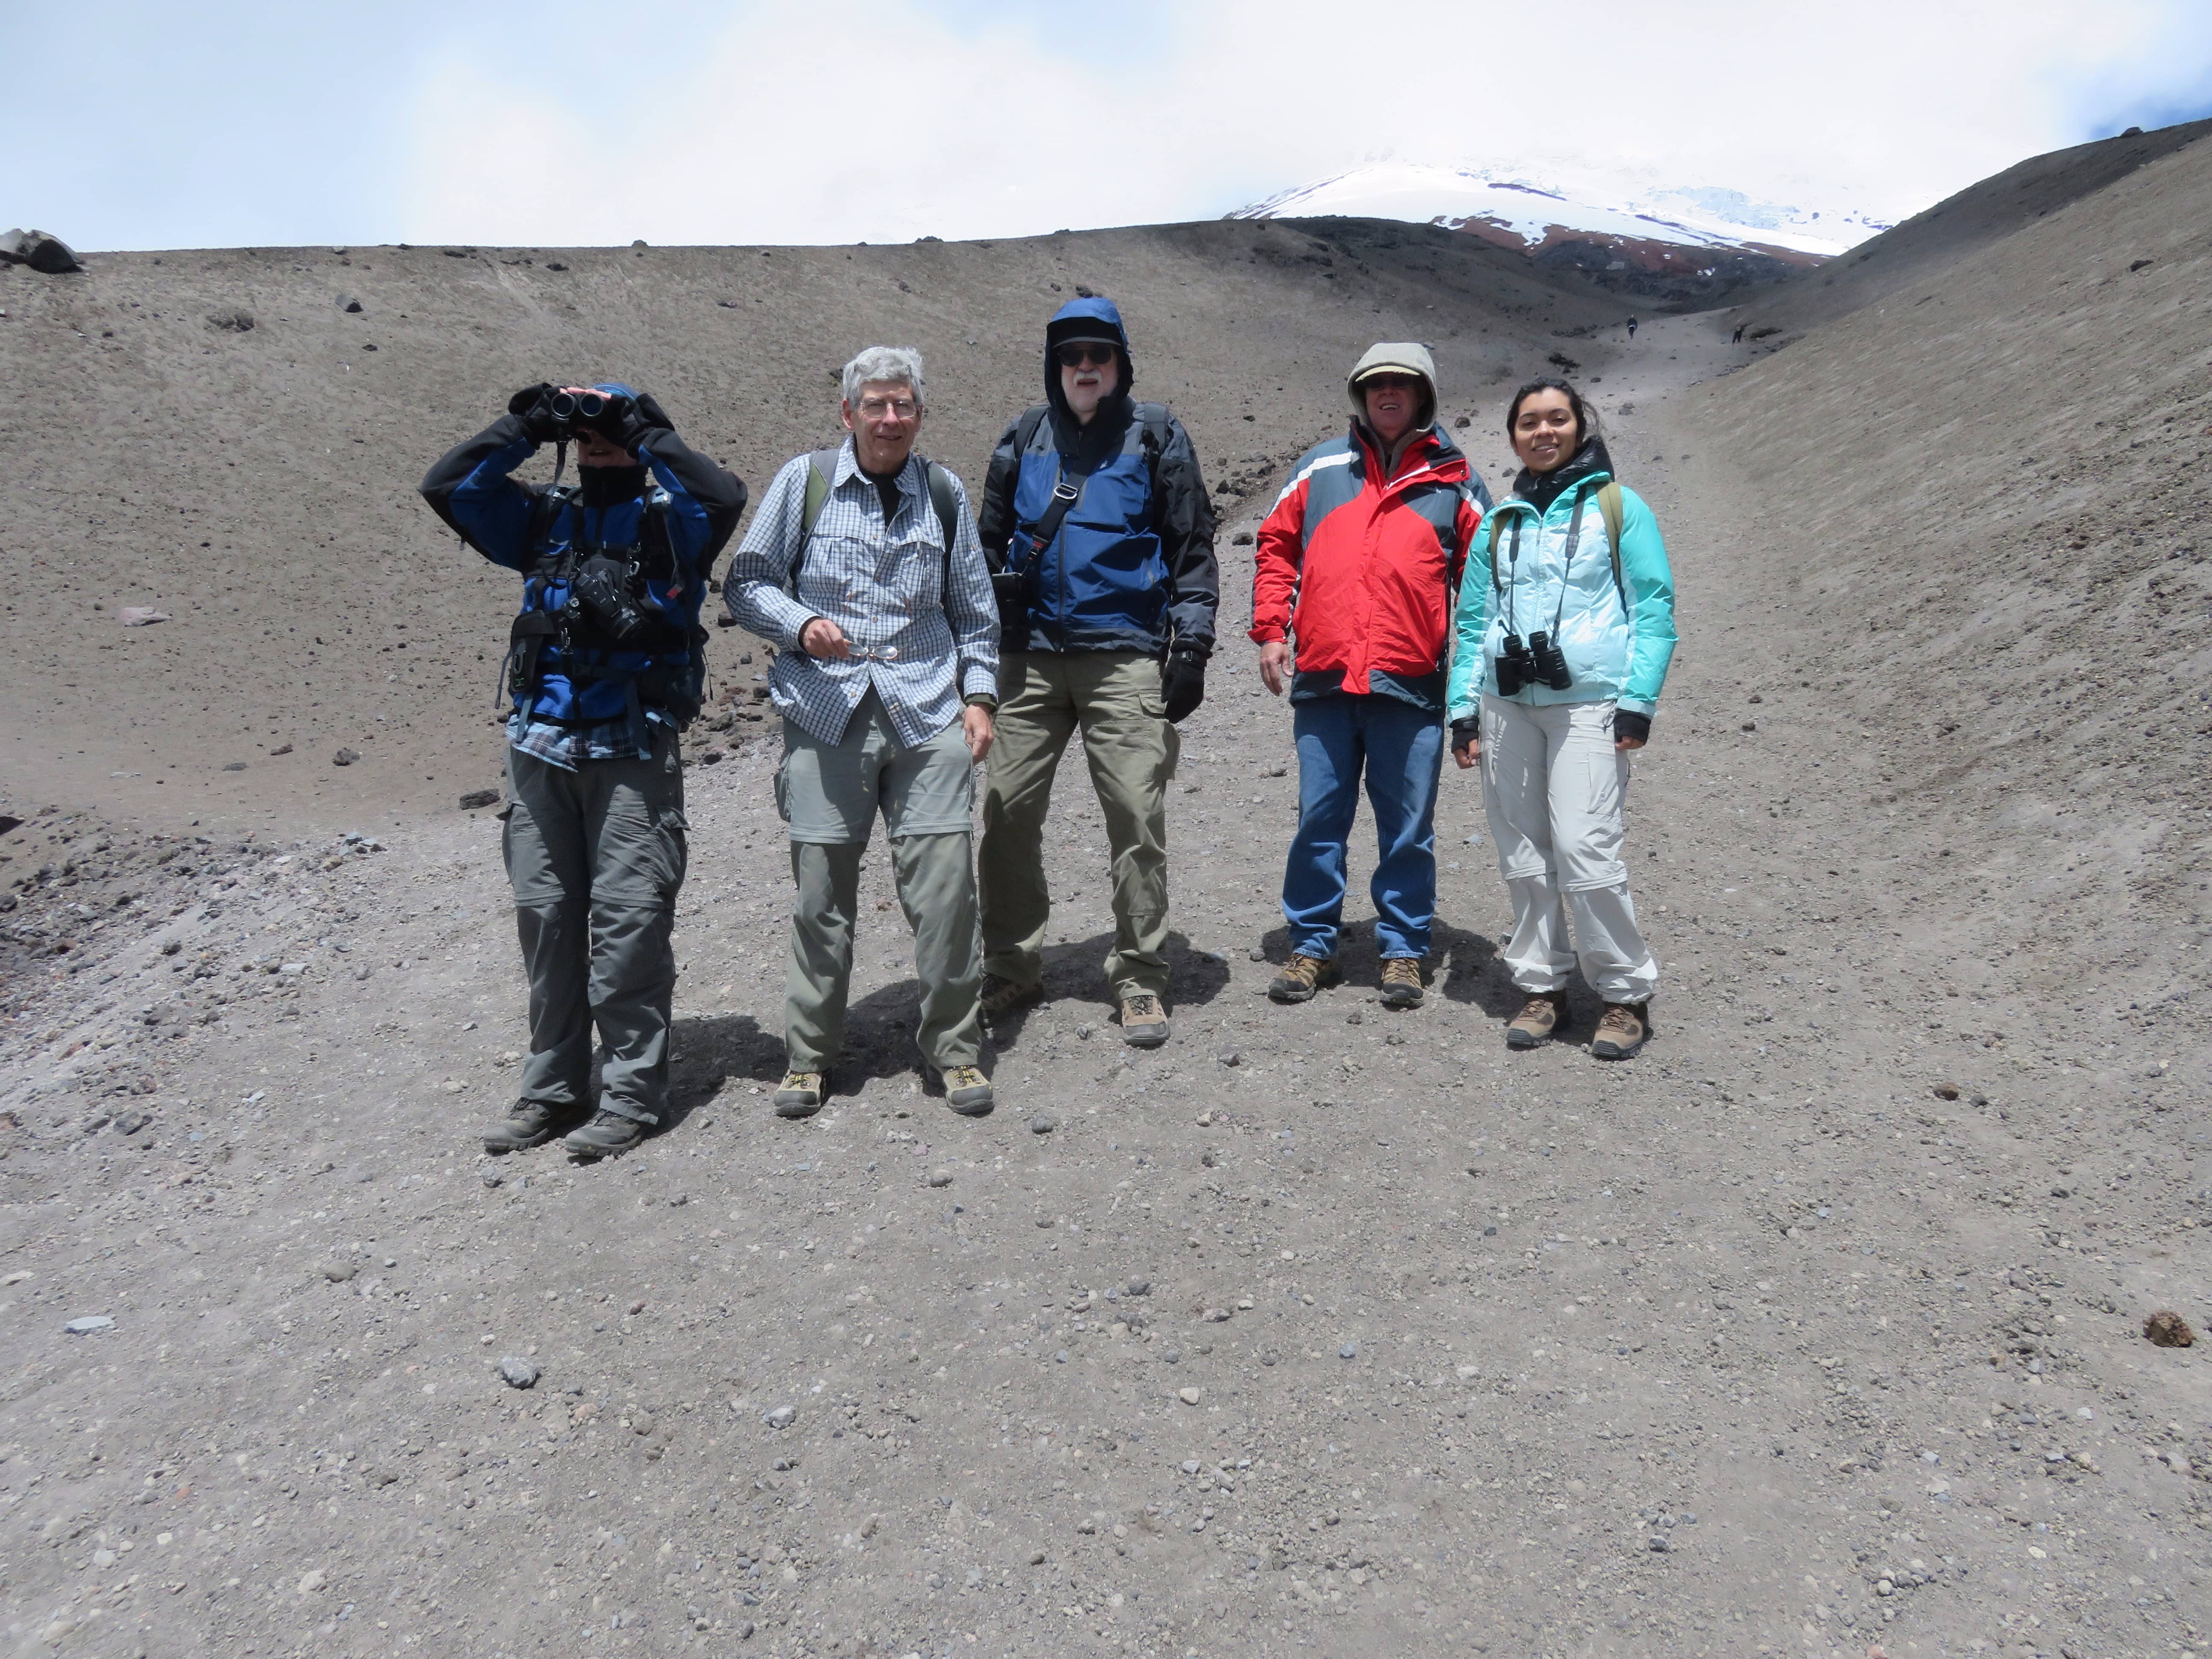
{"x":1359,"y":561}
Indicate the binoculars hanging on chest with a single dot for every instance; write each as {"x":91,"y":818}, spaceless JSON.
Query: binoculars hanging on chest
{"x":1534,"y":661}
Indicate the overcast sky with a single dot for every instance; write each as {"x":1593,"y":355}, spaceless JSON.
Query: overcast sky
{"x":557,"y":122}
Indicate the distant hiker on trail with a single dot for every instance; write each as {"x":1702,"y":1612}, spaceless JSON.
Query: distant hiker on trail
{"x":1631,"y":328}
{"x":604,"y":668}
{"x":1101,"y":542}
{"x":1357,"y":563}
{"x":1738,"y":340}
{"x":1566,"y":624}
{"x":862,"y":567}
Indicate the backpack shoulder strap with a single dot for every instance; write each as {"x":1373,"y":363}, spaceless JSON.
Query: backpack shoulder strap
{"x":545,"y":509}
{"x":1615,"y":511}
{"x":943,"y":501}
{"x":821,"y":468}
{"x":1025,"y":429}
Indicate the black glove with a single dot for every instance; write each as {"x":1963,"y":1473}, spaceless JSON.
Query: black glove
{"x":532,"y":406}
{"x":1182,"y":683}
{"x":1628,"y":724}
{"x":629,"y":421}
{"x":1465,"y":733}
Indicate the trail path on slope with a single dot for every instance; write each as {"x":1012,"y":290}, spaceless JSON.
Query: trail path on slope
{"x":1319,"y":1330}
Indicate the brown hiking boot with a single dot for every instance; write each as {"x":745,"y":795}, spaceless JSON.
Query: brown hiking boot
{"x":1301,"y":977}
{"x":1621,"y":1029}
{"x":1143,"y":1021}
{"x":1003,"y":996}
{"x":1539,"y":1017}
{"x":1401,"y":982}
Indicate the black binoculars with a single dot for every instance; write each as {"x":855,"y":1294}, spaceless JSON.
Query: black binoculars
{"x":569,"y":412}
{"x":1534,"y":661}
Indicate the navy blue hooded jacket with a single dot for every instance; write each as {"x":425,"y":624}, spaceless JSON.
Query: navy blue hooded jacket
{"x":1132,"y":566}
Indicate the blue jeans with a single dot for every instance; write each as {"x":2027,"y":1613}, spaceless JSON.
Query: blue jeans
{"x":1402,"y":751}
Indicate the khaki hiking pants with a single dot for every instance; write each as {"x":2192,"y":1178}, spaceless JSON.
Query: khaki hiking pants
{"x":595,"y":857}
{"x":830,"y":795}
{"x":1113,"y":698}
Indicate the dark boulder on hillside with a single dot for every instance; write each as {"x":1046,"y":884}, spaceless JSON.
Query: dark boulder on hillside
{"x":41,"y":250}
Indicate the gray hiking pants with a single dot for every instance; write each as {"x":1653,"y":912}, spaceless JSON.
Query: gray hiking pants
{"x":596,"y":858}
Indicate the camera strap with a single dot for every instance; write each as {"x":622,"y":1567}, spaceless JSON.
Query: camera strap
{"x":1567,"y":556}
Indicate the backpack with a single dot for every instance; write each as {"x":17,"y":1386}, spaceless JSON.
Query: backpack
{"x":1609,"y":503}
{"x":822,"y":467}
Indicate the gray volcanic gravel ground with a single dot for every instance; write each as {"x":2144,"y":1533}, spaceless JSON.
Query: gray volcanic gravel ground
{"x":1322,"y":1330}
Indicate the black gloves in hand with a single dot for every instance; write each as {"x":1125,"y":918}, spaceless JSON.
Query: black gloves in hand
{"x":1182,"y":683}
{"x":629,"y":421}
{"x":1628,"y":724}
{"x":532,"y":405}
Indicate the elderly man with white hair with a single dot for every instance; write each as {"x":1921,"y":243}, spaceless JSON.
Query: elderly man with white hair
{"x":863,"y":567}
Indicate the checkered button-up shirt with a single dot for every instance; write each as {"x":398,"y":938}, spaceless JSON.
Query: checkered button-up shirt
{"x":921,"y":642}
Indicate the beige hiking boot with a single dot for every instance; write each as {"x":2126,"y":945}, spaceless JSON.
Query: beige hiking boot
{"x":1621,"y":1029}
{"x":1401,"y":982}
{"x":799,"y":1094}
{"x":1539,"y":1017}
{"x":1301,"y":977}
{"x":968,"y":1091}
{"x":1143,"y":1021}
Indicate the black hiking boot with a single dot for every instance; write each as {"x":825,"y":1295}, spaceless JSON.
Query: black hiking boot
{"x":529,"y":1123}
{"x":608,"y":1135}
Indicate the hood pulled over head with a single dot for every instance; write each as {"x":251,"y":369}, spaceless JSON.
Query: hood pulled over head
{"x":1395,"y":357}
{"x":1092,"y":318}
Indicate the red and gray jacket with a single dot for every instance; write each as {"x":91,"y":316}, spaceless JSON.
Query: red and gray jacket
{"x":1362,"y":568}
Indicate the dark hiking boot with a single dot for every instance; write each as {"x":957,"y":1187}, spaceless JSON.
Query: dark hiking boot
{"x":1623,"y":1028}
{"x":528,"y":1123}
{"x":1401,"y":982}
{"x":968,"y":1091}
{"x":1538,"y":1017}
{"x":1001,"y":997}
{"x":1301,"y":977}
{"x":1143,"y":1021}
{"x":799,"y":1095}
{"x":608,"y":1135}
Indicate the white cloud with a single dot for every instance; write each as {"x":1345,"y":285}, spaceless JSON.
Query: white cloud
{"x":887,"y":122}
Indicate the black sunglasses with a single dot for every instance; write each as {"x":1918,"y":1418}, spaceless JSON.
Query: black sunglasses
{"x":1083,"y":353}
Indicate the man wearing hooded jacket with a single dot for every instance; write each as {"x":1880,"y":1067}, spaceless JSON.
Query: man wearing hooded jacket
{"x":604,"y":670}
{"x":1358,"y":562}
{"x":1100,"y":537}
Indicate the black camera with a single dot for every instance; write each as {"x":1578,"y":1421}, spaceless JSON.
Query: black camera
{"x":1534,"y":661}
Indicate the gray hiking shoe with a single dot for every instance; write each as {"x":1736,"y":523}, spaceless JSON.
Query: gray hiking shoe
{"x":1301,"y":977}
{"x":610,"y":1134}
{"x":1538,"y":1017}
{"x":1623,"y":1028}
{"x":529,"y":1123}
{"x":800,"y":1094}
{"x":968,"y":1091}
{"x":1143,"y":1021}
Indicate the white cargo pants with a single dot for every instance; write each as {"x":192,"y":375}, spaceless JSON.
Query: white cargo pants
{"x":1554,"y":786}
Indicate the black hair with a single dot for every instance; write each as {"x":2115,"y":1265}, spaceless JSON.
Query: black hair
{"x":1586,"y":421}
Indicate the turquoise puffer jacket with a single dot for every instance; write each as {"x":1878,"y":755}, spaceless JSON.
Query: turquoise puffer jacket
{"x":1615,"y":651}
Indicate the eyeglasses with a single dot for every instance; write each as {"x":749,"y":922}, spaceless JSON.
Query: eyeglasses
{"x":1387,"y":383}
{"x":1086,"y":354}
{"x":875,"y":409}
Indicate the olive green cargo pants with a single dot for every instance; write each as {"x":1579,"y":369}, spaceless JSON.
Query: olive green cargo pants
{"x":1114,"y":698}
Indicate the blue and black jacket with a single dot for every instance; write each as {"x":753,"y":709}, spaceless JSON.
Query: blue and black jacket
{"x":666,"y":518}
{"x":1131,"y":567}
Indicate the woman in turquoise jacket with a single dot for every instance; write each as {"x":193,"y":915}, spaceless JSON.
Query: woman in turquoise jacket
{"x":1566,"y":624}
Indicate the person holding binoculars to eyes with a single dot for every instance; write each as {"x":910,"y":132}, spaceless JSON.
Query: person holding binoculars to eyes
{"x":1566,"y":625}
{"x":862,"y":567}
{"x":604,"y":669}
